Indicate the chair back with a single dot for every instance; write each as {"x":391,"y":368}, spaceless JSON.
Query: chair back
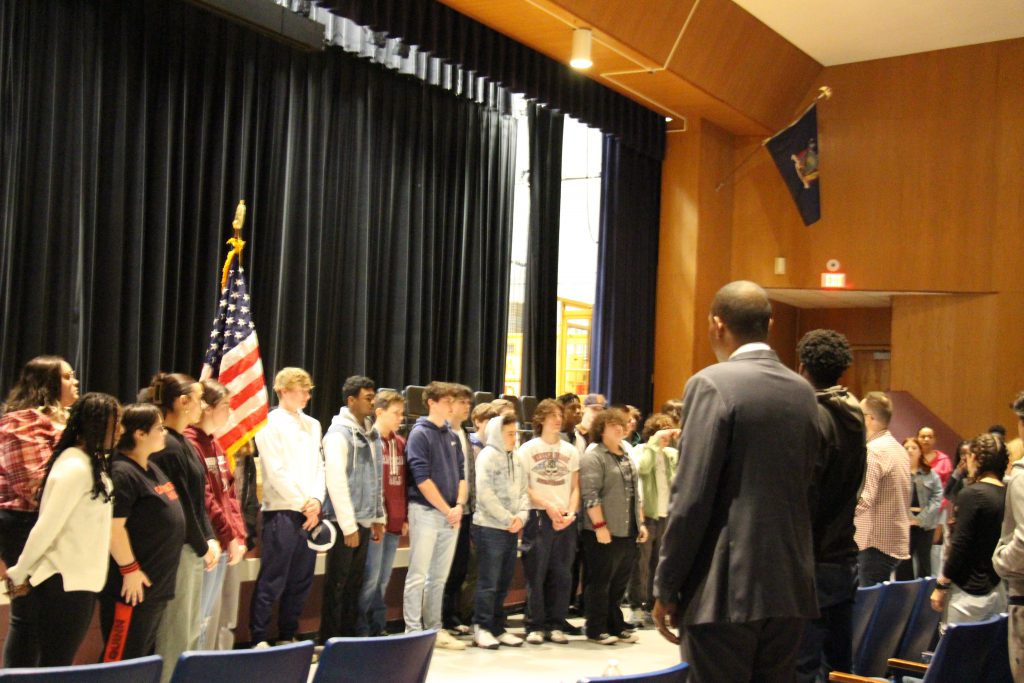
{"x":863,"y":609}
{"x":529,"y":408}
{"x":482,"y":397}
{"x":281,"y":664}
{"x":962,"y":651}
{"x":415,"y":404}
{"x":141,"y":670}
{"x":516,"y":403}
{"x":402,"y":658}
{"x":997,"y":664}
{"x":922,"y":627}
{"x":673,"y":674}
{"x":882,"y":638}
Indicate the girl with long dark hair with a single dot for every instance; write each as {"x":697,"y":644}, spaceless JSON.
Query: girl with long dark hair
{"x":36,"y":412}
{"x":64,"y":562}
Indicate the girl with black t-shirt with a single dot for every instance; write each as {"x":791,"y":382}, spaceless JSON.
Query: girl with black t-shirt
{"x":146,"y":540}
{"x":179,"y":398}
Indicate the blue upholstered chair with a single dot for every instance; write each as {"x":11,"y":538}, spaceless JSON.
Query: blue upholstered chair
{"x":402,"y":658}
{"x":885,"y":630}
{"x":142,"y":670}
{"x":673,"y":674}
{"x":863,"y":609}
{"x":924,"y":621}
{"x":281,"y":664}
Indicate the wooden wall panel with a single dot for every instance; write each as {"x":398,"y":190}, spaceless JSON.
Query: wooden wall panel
{"x":918,"y":169}
{"x":785,"y":332}
{"x":863,"y":327}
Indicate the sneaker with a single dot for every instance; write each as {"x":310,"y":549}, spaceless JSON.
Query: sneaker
{"x":557,"y":636}
{"x":648,"y":619}
{"x":628,"y":637}
{"x":636,"y":618}
{"x":460,"y":630}
{"x":510,"y":640}
{"x":535,"y":637}
{"x":484,"y":639}
{"x":603,"y":639}
{"x":262,"y":645}
{"x":445,"y":641}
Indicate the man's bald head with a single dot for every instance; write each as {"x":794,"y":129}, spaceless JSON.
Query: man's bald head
{"x":745,"y":309}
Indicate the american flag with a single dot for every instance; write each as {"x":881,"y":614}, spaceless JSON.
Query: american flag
{"x":233,"y":357}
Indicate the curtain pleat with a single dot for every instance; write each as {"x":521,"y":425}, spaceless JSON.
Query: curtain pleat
{"x":379,"y":207}
{"x":622,"y":344}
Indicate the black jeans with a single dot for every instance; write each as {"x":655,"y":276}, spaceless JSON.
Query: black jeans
{"x":21,"y":648}
{"x":761,"y":651}
{"x":343,"y":581}
{"x":286,"y":574}
{"x":920,"y":563}
{"x":547,"y":565}
{"x":608,"y":569}
{"x":129,"y":632}
{"x":874,"y":566}
{"x":61,"y":621}
{"x":828,"y":640}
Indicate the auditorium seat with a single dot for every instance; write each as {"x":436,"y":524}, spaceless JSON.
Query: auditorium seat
{"x":922,"y":627}
{"x":142,"y":670}
{"x":673,"y":674}
{"x":415,"y":405}
{"x":888,"y":622}
{"x":482,"y":397}
{"x":997,"y":664}
{"x":962,"y":655}
{"x":863,"y":608}
{"x":516,"y":403}
{"x":401,"y":658}
{"x":529,"y":408}
{"x":280,"y":664}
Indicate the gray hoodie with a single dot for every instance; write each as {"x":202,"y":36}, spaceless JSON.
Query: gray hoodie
{"x":1008,"y":558}
{"x":501,"y":485}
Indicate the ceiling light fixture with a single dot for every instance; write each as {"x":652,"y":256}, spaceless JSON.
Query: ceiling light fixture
{"x":580,"y":58}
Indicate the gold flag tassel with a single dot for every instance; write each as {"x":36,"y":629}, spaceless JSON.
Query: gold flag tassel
{"x":236,"y":243}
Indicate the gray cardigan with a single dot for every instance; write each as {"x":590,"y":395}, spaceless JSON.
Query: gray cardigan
{"x":602,"y":483}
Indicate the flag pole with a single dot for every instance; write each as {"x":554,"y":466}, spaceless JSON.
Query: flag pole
{"x":824,"y":93}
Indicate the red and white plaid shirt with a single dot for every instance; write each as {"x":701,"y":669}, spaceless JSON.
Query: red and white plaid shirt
{"x":882,"y":515}
{"x":27,"y":439}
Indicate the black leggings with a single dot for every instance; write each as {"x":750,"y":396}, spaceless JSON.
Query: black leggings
{"x":61,"y":620}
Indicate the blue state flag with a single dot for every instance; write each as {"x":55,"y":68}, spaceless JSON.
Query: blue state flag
{"x":795,"y":153}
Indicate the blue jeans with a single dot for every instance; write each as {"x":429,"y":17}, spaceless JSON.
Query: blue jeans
{"x":431,"y":548}
{"x":210,"y":597}
{"x":496,"y":562}
{"x":874,"y":566}
{"x":373,"y":611}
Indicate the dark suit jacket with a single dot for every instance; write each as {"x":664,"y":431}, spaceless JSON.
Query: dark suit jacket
{"x":737,"y":546}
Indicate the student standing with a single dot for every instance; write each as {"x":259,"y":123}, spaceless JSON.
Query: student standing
{"x":146,"y":539}
{"x":293,"y":494}
{"x":353,"y":467}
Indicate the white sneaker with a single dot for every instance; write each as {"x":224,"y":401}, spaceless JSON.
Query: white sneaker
{"x":262,"y":645}
{"x":535,"y":637}
{"x":636,"y":616}
{"x":446,"y":642}
{"x":557,"y":636}
{"x":628,"y":637}
{"x":603,"y":639}
{"x":510,"y":640}
{"x":484,"y":639}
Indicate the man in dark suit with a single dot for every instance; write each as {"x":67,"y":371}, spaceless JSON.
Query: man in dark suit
{"x":736,"y":573}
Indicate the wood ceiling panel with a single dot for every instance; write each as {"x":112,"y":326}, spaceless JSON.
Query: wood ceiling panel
{"x":649,"y":26}
{"x":728,"y":52}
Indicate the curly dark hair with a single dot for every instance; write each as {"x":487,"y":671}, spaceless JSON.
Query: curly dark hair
{"x":616,"y":416}
{"x":825,"y":355}
{"x":92,"y":425}
{"x":991,"y":455}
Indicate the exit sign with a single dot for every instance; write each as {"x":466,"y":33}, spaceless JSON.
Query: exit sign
{"x":833,"y":280}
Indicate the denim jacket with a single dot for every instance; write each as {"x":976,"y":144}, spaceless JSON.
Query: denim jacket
{"x":355,"y":494}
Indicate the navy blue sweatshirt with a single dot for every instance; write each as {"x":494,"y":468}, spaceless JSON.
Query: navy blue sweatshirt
{"x":434,"y":453}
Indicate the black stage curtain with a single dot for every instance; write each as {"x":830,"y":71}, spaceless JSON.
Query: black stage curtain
{"x":454,"y":37}
{"x":540,"y":308}
{"x":622,"y":346}
{"x":379,"y":207}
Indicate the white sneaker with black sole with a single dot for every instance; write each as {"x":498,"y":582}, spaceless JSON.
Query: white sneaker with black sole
{"x":484,"y":639}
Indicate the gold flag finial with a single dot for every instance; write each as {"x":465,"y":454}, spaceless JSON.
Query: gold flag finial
{"x":235,"y":243}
